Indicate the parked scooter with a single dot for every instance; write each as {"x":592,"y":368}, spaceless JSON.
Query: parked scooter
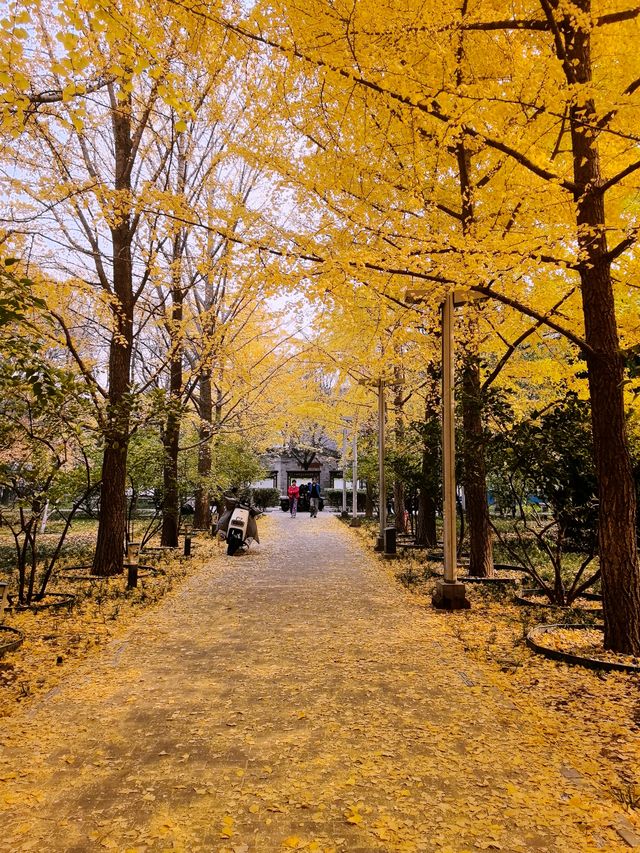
{"x":237,"y":525}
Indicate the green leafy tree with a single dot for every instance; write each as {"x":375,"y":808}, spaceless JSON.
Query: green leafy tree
{"x":550,"y":457}
{"x":44,"y":460}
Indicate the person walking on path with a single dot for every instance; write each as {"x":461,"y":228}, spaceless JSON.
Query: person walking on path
{"x":293,"y":491}
{"x":314,"y":498}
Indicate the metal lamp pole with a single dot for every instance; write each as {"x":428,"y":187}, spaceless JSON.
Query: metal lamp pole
{"x":382,"y":490}
{"x":450,"y":593}
{"x":448,"y":444}
{"x":354,"y":506}
{"x":344,"y":473}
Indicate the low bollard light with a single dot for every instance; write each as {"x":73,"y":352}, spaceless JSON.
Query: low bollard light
{"x":390,"y":542}
{"x":187,"y":542}
{"x":133,"y":556}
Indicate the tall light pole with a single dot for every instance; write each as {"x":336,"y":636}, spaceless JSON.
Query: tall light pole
{"x":449,"y":443}
{"x":382,"y":489}
{"x":449,"y":593}
{"x":354,"y":506}
{"x":344,"y":473}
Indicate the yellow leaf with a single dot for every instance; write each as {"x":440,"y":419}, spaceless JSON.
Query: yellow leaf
{"x":21,"y":81}
{"x":353,"y":816}
{"x":227,"y":827}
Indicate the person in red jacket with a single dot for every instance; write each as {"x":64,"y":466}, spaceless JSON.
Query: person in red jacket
{"x":293,"y":491}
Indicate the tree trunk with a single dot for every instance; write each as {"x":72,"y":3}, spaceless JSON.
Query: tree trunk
{"x":426,"y":532}
{"x":171,"y":504}
{"x":398,"y":485}
{"x":368,"y":501}
{"x":426,"y":522}
{"x":171,"y":439}
{"x":202,"y":517}
{"x":171,"y":501}
{"x":617,"y":513}
{"x":109,"y":554}
{"x":475,"y":475}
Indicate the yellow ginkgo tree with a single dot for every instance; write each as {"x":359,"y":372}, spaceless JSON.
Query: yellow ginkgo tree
{"x":554,"y":151}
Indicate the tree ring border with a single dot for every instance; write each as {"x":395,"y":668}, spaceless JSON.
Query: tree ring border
{"x":65,"y":599}
{"x":568,"y":657}
{"x":11,"y":645}
{"x":143,"y":572}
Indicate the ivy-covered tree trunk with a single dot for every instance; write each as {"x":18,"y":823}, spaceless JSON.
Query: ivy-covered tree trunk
{"x":108,"y":559}
{"x":202,"y":516}
{"x":475,"y":474}
{"x":617,"y":518}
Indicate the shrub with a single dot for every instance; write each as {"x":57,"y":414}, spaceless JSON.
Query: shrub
{"x":262,"y":498}
{"x":333,"y":497}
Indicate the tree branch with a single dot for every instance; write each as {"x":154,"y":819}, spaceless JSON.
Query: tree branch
{"x":520,"y":339}
{"x":630,"y":169}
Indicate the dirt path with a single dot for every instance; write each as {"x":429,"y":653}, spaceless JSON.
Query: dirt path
{"x":298,"y":699}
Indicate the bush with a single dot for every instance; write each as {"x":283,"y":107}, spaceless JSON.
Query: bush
{"x":333,"y":498}
{"x":262,"y":498}
{"x":551,"y":456}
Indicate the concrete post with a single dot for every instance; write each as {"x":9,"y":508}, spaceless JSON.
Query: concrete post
{"x":133,"y":558}
{"x":382,"y":489}
{"x":448,"y":443}
{"x":354,"y":507}
{"x":344,"y":473}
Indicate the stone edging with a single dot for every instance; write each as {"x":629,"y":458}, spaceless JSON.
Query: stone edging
{"x":568,"y":657}
{"x":12,"y":645}
{"x":143,"y":572}
{"x":64,"y":599}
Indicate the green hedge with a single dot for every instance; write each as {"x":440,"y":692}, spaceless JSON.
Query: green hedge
{"x":262,"y":498}
{"x":333,"y":497}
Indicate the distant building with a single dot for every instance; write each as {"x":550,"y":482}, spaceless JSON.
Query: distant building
{"x":302,"y":463}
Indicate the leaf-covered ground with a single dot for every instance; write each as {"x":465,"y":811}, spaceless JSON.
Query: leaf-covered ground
{"x":299,"y":698}
{"x":56,"y":638}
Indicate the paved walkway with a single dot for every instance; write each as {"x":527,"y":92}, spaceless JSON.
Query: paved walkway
{"x":295,"y":698}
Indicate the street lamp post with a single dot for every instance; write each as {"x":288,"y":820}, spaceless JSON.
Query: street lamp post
{"x":382,"y":488}
{"x":449,"y":443}
{"x":449,"y":593}
{"x":354,"y":506}
{"x":344,"y":473}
